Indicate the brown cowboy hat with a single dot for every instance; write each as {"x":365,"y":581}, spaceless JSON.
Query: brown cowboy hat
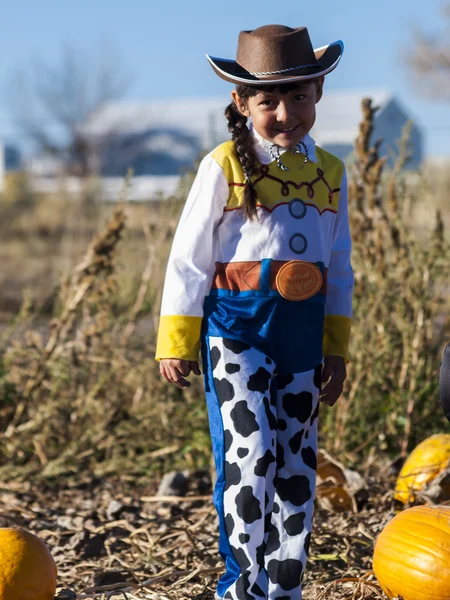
{"x":275,"y":54}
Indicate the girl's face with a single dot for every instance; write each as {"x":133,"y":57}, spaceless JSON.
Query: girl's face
{"x":282,"y":118}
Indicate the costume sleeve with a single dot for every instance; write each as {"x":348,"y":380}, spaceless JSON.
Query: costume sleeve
{"x":191,"y":265}
{"x":338,"y":307}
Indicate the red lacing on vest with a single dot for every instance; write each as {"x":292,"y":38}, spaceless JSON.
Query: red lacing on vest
{"x":264,"y":170}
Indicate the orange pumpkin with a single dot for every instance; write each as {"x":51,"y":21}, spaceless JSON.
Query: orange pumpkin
{"x":412,"y":554}
{"x":27,"y":569}
{"x":424,"y":463}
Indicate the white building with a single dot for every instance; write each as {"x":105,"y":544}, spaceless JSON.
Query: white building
{"x":162,"y":137}
{"x":160,"y":140}
{"x":339,"y":115}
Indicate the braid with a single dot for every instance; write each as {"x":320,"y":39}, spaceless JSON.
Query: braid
{"x":240,"y":134}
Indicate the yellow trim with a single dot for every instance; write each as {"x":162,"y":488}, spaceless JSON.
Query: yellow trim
{"x":226,"y":157}
{"x":336,"y":336}
{"x":178,"y":337}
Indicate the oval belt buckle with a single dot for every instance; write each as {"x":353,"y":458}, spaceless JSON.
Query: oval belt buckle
{"x":298,"y":280}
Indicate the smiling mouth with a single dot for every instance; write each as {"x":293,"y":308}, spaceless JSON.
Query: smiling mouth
{"x":288,"y":129}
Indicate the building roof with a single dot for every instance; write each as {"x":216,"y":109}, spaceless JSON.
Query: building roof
{"x":202,"y":117}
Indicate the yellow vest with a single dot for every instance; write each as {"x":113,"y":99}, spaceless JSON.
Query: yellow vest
{"x":317,"y":184}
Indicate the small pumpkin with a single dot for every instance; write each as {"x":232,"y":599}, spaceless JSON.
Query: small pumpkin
{"x":425,"y":462}
{"x":411,"y":558}
{"x":27,"y":568}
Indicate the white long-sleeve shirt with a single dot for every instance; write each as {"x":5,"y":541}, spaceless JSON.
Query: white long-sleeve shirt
{"x":303,"y":215}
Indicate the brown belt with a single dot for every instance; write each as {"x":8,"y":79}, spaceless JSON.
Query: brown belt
{"x":294,"y":279}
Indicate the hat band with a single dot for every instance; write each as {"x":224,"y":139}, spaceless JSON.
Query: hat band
{"x":317,"y":65}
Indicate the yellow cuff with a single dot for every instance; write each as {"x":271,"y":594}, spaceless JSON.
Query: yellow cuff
{"x":178,"y":337}
{"x":336,"y":335}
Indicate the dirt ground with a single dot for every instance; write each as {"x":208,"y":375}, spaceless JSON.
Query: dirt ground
{"x":110,"y":540}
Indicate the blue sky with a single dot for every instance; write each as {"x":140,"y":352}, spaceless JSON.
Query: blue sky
{"x":162,"y":43}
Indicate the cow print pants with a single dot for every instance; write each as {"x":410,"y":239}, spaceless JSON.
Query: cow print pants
{"x":264,"y":434}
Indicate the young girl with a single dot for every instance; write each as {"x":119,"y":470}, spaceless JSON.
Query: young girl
{"x":259,"y":276}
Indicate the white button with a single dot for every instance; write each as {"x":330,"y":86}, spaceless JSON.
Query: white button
{"x":297,"y":208}
{"x":298,"y":243}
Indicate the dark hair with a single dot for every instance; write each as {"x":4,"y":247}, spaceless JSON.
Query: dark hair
{"x":240,"y":134}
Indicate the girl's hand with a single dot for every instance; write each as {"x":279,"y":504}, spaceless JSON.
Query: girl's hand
{"x":334,"y":372}
{"x":175,"y":369}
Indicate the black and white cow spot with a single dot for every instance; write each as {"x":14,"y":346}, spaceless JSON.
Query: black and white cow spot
{"x":273,"y":539}
{"x":267,"y":523}
{"x":295,"y":523}
{"x":215,"y":357}
{"x":228,"y":596}
{"x":260,"y":551}
{"x":273,"y":400}
{"x":244,"y":420}
{"x":231,"y":368}
{"x":266,"y":500}
{"x":235,"y":346}
{"x":284,"y":380}
{"x":259,"y":381}
{"x":229,"y":524}
{"x":255,"y":589}
{"x":281,"y":425}
{"x":280,"y":457}
{"x":242,"y":452}
{"x":296,"y":441}
{"x":241,"y":557}
{"x":232,"y":475}
{"x":227,"y":439}
{"x":263,"y":464}
{"x":307,"y":542}
{"x":295,"y":490}
{"x":276,"y":508}
{"x":287,"y":573}
{"x":298,"y":406}
{"x":269,"y":361}
{"x":271,"y":418}
{"x":283,"y":598}
{"x":318,"y":377}
{"x":242,"y":585}
{"x":315,"y":414}
{"x":224,"y":390}
{"x":244,"y":538}
{"x":248,"y":507}
{"x":309,"y":457}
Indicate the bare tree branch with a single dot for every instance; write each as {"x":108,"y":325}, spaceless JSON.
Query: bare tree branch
{"x":51,"y":102}
{"x":428,"y":60}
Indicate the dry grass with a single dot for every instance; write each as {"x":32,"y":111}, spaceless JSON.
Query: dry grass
{"x":87,"y":378}
{"x":43,"y":237}
{"x":85,"y":418}
{"x":77,"y":389}
{"x":401,"y":310}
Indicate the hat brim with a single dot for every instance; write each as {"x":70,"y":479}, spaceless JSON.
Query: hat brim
{"x":327,"y":57}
